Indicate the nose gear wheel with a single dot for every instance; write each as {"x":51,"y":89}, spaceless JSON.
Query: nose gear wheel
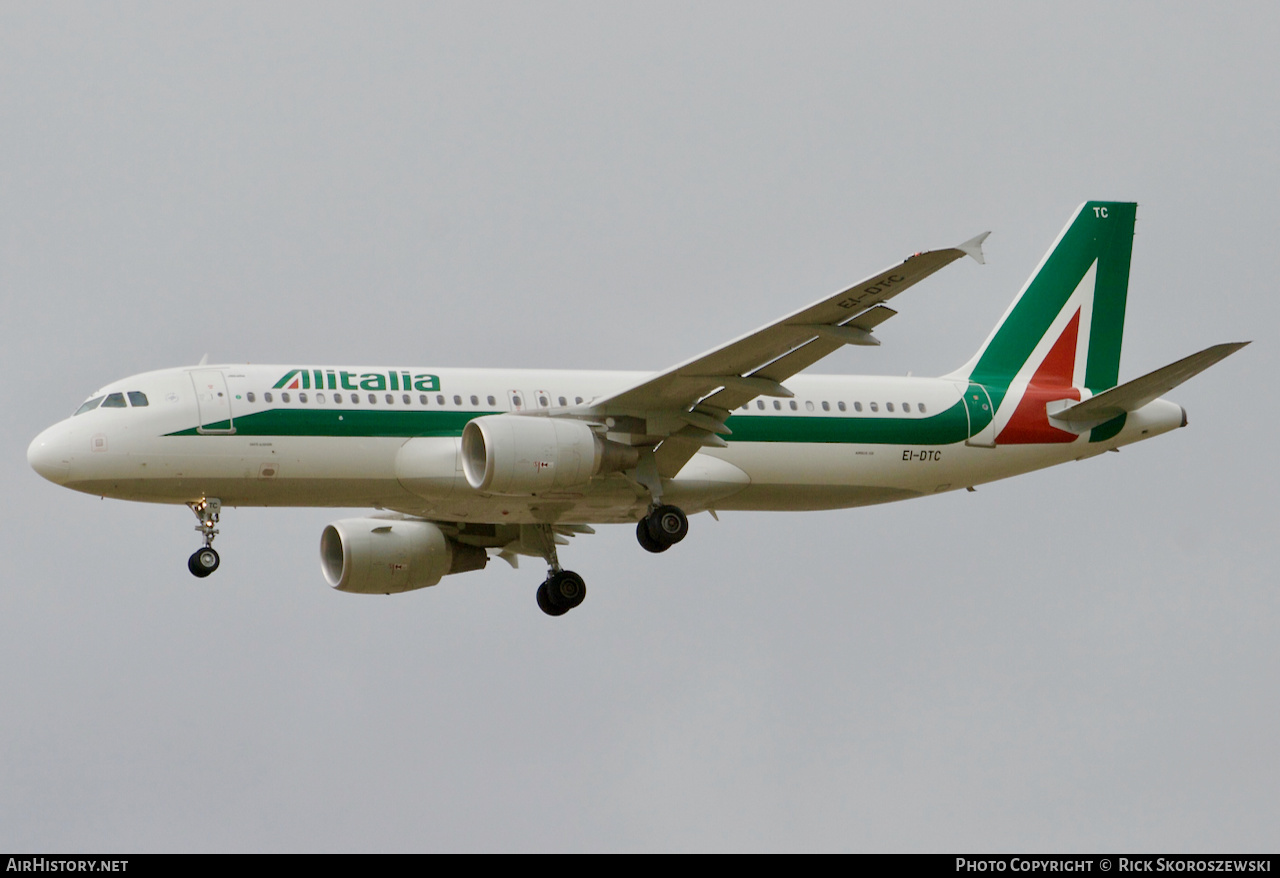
{"x":205,"y":561}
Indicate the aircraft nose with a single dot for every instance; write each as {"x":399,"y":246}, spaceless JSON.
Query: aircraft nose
{"x":49,"y":454}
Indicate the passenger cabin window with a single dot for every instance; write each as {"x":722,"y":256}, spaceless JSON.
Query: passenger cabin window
{"x":841,"y":406}
{"x":491,"y":400}
{"x":284,"y":397}
{"x":577,"y":400}
{"x":391,"y":400}
{"x":355,"y":399}
{"x":439,"y":399}
{"x":373,"y":399}
{"x":888,"y":406}
{"x":920,"y":407}
{"x":337,"y":399}
{"x":906,"y":406}
{"x":113,"y":401}
{"x":760,"y":404}
{"x":320,"y":398}
{"x":808,"y":406}
{"x":475,"y":400}
{"x":457,"y":400}
{"x":874,"y":407}
{"x":777,"y":405}
{"x":543,"y":401}
{"x":249,"y":396}
{"x":422,"y":398}
{"x":302,"y":397}
{"x":405,"y":399}
{"x":137,"y":398}
{"x":826,"y":406}
{"x":267,"y":396}
{"x":89,"y":406}
{"x":563,"y":401}
{"x":857,"y":407}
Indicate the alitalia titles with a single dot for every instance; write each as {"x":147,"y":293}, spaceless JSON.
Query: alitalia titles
{"x":337,"y":379}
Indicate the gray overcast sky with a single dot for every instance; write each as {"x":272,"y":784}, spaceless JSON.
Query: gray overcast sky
{"x":1080,"y":659}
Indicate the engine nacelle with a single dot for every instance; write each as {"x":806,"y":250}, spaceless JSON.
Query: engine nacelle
{"x":521,"y":455}
{"x":388,"y":556}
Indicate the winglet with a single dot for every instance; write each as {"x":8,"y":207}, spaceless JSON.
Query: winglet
{"x":973,"y":247}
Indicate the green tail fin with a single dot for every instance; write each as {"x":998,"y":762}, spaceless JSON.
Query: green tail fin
{"x":1080,"y":288}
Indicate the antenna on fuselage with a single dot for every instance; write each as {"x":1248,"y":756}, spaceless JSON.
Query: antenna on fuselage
{"x":204,"y":361}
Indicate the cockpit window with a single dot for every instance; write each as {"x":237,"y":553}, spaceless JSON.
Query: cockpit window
{"x":114,"y":401}
{"x":89,"y":406}
{"x":137,"y":398}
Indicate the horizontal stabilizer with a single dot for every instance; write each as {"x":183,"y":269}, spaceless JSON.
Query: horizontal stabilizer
{"x":1134,"y":394}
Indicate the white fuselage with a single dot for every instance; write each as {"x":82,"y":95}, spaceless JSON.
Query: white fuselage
{"x":345,"y":437}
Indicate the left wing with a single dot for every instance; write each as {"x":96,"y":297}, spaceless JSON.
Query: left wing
{"x":686,"y":406}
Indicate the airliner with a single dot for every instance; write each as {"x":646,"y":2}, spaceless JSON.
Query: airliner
{"x":461,"y":465}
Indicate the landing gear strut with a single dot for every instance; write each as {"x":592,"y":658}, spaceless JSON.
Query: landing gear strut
{"x":563,"y":589}
{"x":205,"y":561}
{"x":664,"y":525}
{"x":662,"y":528}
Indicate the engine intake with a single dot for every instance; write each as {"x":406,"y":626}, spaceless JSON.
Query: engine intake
{"x":389,"y":556}
{"x":521,"y":455}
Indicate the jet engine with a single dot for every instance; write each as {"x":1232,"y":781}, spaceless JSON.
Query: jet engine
{"x":520,"y":454}
{"x":388,"y":556}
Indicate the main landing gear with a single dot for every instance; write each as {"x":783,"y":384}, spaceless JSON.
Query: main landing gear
{"x":205,"y":561}
{"x":563,"y":589}
{"x":662,"y":528}
{"x":561,"y":592}
{"x":664,"y":525}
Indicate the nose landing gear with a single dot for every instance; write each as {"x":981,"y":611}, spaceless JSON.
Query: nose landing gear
{"x":205,"y":561}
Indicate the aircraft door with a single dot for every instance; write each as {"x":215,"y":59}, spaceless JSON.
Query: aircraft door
{"x":213,"y":401}
{"x":977,"y":405}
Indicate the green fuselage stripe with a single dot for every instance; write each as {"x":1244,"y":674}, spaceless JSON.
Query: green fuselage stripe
{"x":944,"y":428}
{"x":941,"y":429}
{"x":348,"y":422}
